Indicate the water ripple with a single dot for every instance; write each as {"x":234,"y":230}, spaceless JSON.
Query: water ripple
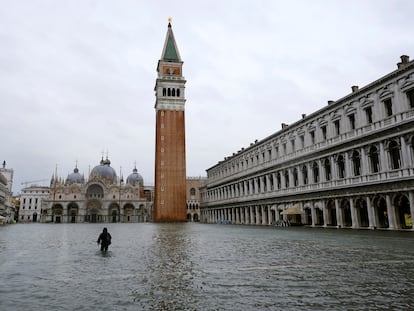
{"x":204,"y":267}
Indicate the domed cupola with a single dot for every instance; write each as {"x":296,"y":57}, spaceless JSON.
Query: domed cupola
{"x":135,"y":178}
{"x":104,"y":171}
{"x":75,"y":177}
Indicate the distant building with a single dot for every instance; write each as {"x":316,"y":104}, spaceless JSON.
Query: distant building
{"x":103,"y":197}
{"x":31,"y":199}
{"x":7,"y":209}
{"x":348,"y":165}
{"x":193,"y":197}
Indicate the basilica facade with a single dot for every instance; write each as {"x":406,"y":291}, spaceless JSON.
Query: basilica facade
{"x":102,"y":197}
{"x":348,"y":165}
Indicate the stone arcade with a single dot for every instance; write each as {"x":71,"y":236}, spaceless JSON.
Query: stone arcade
{"x":348,"y":165}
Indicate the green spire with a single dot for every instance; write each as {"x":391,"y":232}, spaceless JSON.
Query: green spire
{"x":170,"y":52}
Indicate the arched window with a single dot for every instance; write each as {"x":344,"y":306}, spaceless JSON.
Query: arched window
{"x":169,"y":92}
{"x":287,"y":179}
{"x":279,"y":182}
{"x":164,"y":92}
{"x":295,"y":177}
{"x":315,"y":169}
{"x":327,"y":166}
{"x":394,"y":150}
{"x":271,"y":182}
{"x":178,"y":92}
{"x":356,"y":161}
{"x":341,"y":166}
{"x":373,"y":159}
{"x":173,"y":92}
{"x":305,"y":174}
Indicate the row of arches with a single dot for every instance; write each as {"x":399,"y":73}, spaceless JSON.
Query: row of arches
{"x":368,"y":160}
{"x":193,"y":210}
{"x":382,"y":211}
{"x":175,"y":92}
{"x":95,"y":213}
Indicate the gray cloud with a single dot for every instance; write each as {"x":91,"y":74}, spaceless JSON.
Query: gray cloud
{"x":77,"y":77}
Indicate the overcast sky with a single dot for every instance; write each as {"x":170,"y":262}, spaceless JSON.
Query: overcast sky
{"x":77,"y":77}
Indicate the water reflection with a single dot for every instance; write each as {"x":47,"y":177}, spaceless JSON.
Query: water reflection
{"x":169,"y":281}
{"x":204,"y":267}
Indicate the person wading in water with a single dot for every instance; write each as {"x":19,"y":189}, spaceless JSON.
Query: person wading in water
{"x":104,"y":239}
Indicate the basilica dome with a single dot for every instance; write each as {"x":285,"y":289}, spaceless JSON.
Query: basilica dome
{"x":75,"y":177}
{"x":104,"y":170}
{"x":135,"y":178}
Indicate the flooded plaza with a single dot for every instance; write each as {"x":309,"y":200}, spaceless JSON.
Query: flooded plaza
{"x":204,"y":267}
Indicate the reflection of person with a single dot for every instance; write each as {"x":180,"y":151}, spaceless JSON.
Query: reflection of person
{"x":104,"y":239}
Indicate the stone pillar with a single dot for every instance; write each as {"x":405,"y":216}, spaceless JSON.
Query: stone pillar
{"x":391,"y":213}
{"x":325,"y":214}
{"x":300,"y":176}
{"x":261,"y":183}
{"x":334,"y":168}
{"x":277,"y":215}
{"x":371,"y":214}
{"x":347,"y":166}
{"x":310,"y":173}
{"x":320,"y":171}
{"x":404,"y":153}
{"x":264,"y":215}
{"x":282,"y":180}
{"x":313,"y":213}
{"x":269,"y":215}
{"x":354,"y":214}
{"x":365,"y":170}
{"x":339,"y":218}
{"x":383,"y":158}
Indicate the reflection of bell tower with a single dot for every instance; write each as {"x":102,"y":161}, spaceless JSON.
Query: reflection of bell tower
{"x":170,"y":166}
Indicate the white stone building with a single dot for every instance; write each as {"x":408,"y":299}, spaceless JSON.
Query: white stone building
{"x":31,"y":199}
{"x":349,"y":164}
{"x":193,"y":185}
{"x":7,"y":209}
{"x":103,"y":197}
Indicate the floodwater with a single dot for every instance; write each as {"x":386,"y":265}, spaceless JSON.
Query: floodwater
{"x":204,"y":267}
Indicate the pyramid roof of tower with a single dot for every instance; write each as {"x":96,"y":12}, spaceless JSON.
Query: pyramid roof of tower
{"x":170,"y":52}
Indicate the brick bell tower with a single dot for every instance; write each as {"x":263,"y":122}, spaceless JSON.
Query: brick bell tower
{"x":170,"y":165}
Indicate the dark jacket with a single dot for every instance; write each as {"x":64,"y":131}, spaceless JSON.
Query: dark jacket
{"x":105,"y":238}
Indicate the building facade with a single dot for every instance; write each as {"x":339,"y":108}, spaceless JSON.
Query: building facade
{"x":170,"y":162}
{"x":347,"y":165}
{"x":101,"y":198}
{"x":7,"y":209}
{"x":193,"y":197}
{"x":31,"y":199}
